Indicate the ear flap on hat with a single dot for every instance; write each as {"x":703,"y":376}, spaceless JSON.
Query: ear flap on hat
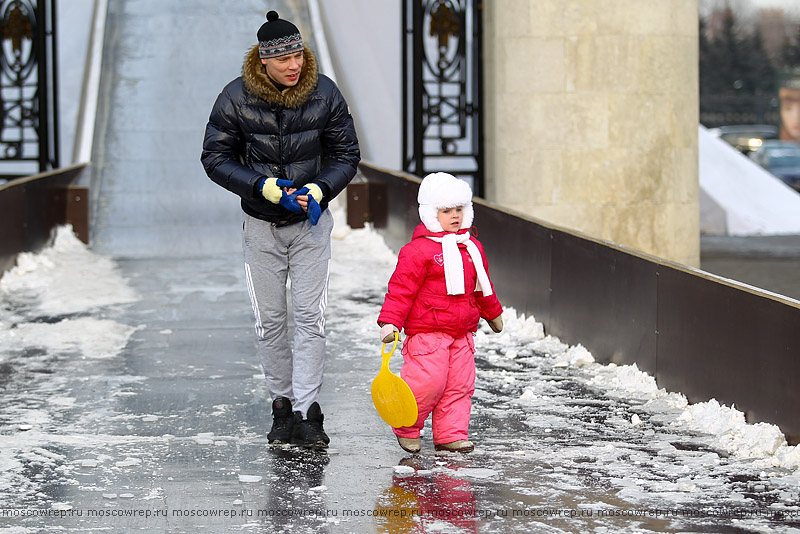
{"x":469,"y":214}
{"x":429,"y":217}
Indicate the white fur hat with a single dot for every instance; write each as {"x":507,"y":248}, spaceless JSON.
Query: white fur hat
{"x":440,"y":190}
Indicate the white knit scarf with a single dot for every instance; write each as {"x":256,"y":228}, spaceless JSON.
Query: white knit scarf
{"x":454,"y":266}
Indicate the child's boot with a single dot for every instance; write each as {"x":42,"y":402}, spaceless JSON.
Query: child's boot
{"x":411,"y":445}
{"x":461,"y":445}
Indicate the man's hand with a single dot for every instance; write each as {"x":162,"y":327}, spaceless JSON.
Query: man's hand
{"x":273,"y":189}
{"x":308,"y":198}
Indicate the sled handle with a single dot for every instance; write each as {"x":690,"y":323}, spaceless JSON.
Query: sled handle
{"x":394,"y":346}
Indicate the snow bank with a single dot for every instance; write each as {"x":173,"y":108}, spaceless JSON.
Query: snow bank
{"x":50,"y":300}
{"x":738,"y":197}
{"x":91,"y":338}
{"x":65,"y":278}
{"x":762,"y":441}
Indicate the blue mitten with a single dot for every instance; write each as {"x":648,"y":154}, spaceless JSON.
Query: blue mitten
{"x":290,"y":202}
{"x":314,"y":211}
{"x":272,"y":188}
{"x":314,"y":193}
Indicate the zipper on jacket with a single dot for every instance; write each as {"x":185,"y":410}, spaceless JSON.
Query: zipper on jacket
{"x":280,"y":142}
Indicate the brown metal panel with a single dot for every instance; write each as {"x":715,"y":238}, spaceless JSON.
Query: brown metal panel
{"x":604,"y":299}
{"x":378,"y":199}
{"x":36,"y":224}
{"x":519,"y":254}
{"x":393,"y":204}
{"x":358,"y":211}
{"x":731,"y":344}
{"x":12,"y":226}
{"x":77,"y":211}
{"x":31,"y":207}
{"x":67,"y":204}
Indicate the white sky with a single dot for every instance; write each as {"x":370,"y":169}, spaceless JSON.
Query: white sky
{"x":789,"y":6}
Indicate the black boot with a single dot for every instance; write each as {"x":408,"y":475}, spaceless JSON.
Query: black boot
{"x":308,"y":432}
{"x":282,"y":422}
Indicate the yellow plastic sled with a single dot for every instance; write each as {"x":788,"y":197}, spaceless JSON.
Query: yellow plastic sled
{"x":392,"y":397}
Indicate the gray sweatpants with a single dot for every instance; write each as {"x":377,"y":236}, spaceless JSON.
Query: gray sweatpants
{"x":301,"y":252}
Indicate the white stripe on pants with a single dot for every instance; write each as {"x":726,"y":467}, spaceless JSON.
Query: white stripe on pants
{"x":299,"y":252}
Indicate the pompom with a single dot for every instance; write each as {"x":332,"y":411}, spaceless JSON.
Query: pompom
{"x":272,"y":16}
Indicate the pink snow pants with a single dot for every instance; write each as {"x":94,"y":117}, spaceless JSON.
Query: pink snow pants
{"x":440,"y":370}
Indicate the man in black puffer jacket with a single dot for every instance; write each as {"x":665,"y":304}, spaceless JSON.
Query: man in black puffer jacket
{"x":282,"y":138}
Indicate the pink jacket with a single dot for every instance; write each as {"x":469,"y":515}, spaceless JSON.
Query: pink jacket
{"x":417,"y":300}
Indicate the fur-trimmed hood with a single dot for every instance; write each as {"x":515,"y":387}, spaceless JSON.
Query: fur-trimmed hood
{"x":257,"y":82}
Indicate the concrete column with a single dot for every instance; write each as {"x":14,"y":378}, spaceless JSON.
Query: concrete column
{"x":591,"y":118}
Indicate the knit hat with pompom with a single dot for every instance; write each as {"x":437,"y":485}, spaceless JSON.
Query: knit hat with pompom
{"x":278,"y":37}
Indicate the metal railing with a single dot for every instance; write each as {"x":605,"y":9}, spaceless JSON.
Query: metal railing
{"x":443,"y":89}
{"x":28,"y":87}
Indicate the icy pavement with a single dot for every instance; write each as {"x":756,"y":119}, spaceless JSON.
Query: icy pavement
{"x":132,"y":401}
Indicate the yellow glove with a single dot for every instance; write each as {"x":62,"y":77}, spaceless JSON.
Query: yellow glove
{"x":271,"y":191}
{"x":314,"y":191}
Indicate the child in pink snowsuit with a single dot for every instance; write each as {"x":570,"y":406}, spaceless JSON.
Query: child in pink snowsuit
{"x":437,"y":294}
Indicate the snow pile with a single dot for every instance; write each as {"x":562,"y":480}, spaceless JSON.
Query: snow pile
{"x":520,"y":331}
{"x":727,"y":425}
{"x":625,"y":381}
{"x":66,"y":278}
{"x":363,"y":246}
{"x":404,"y":471}
{"x":474,"y":473}
{"x":576,"y":356}
{"x":49,"y":305}
{"x":739,"y":197}
{"x":92,"y":338}
{"x":735,"y":435}
{"x":69,"y":282}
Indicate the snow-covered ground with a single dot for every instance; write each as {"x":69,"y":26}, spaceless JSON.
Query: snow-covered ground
{"x":601,"y":437}
{"x":523,"y":337}
{"x":54,"y":305}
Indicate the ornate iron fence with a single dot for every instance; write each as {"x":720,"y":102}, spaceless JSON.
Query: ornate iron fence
{"x":723,"y":110}
{"x":28,"y":87}
{"x":442,"y":89}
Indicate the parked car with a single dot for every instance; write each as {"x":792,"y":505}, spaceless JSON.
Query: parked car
{"x":746,"y":137}
{"x":781,"y":158}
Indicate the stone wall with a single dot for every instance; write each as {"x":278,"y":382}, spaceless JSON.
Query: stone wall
{"x":591,"y":118}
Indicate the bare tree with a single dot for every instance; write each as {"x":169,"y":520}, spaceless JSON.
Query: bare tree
{"x":775,"y":27}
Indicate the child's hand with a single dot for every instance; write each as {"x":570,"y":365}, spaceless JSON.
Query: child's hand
{"x":496,"y":324}
{"x":387,"y":332}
